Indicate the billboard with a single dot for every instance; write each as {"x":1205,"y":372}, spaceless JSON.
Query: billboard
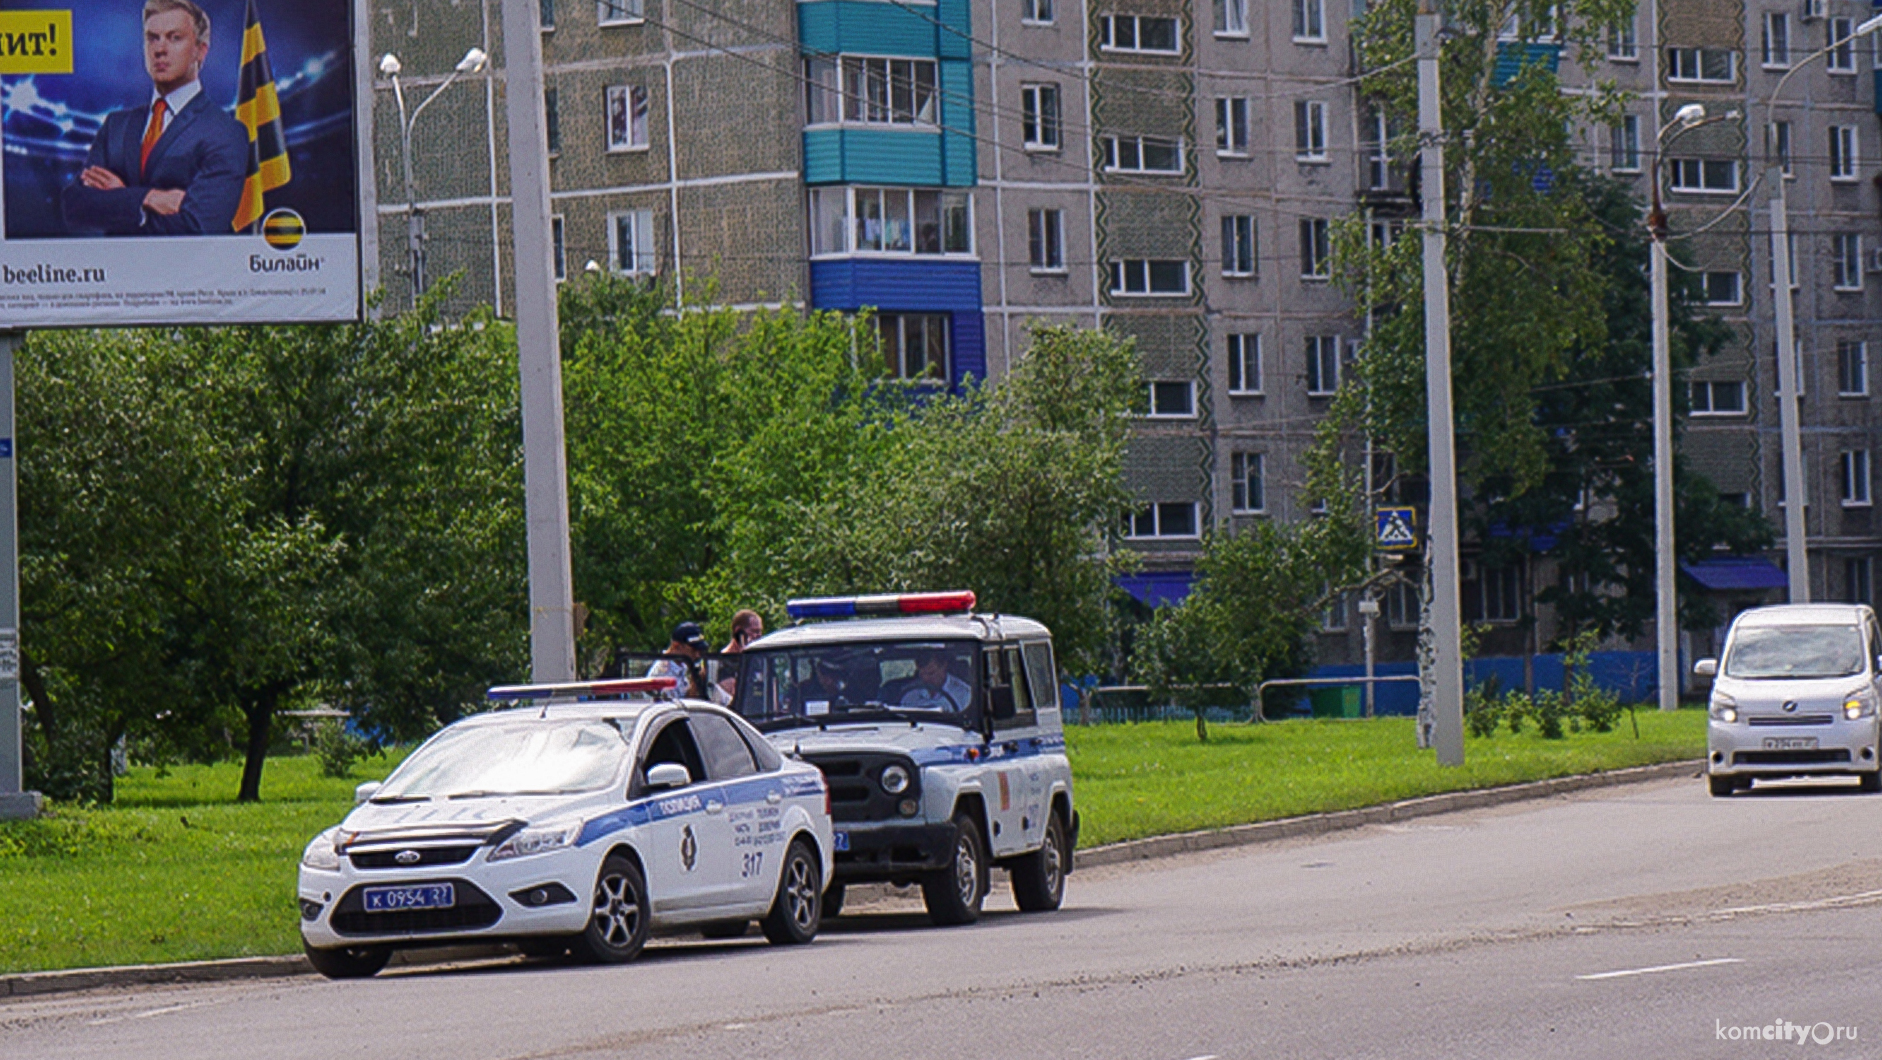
{"x":178,"y":162}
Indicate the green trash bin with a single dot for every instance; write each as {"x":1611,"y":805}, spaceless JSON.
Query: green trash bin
{"x":1339,"y":701}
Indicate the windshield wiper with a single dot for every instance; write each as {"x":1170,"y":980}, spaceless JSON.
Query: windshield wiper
{"x":394,"y":800}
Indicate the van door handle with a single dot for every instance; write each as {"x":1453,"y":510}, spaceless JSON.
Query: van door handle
{"x":714,"y":806}
{"x":774,"y":796}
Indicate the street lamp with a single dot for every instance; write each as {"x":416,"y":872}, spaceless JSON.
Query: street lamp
{"x":1789,"y":411}
{"x":390,"y":67}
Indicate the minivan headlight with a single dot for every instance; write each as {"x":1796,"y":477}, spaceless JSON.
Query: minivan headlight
{"x":1858,"y":706}
{"x":1723,"y":707}
{"x":536,"y":841}
{"x":320,"y":853}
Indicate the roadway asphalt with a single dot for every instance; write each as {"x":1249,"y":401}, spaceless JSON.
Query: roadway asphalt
{"x":1641,"y":921}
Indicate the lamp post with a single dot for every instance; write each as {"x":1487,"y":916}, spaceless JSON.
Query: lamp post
{"x":390,"y":67}
{"x":1796,"y":558}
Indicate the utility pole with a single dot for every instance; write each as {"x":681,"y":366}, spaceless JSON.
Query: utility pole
{"x":539,"y":354}
{"x":1447,"y":733}
{"x":1796,"y":558}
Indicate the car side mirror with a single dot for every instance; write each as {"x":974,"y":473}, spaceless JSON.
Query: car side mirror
{"x":366,"y":791}
{"x":668,"y":775}
{"x":1706,"y":668}
{"x":1000,"y":702}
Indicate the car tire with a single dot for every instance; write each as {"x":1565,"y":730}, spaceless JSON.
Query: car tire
{"x":1869,"y":783}
{"x":719,"y":930}
{"x":797,"y":911}
{"x":1039,"y":877}
{"x":348,"y":962}
{"x":617,"y":919}
{"x":1719,"y":786}
{"x":953,"y":894}
{"x":833,"y":901}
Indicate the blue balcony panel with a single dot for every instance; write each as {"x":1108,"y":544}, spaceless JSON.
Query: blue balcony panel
{"x":898,"y":157}
{"x":872,"y":27}
{"x":911,"y":286}
{"x":1512,"y":56}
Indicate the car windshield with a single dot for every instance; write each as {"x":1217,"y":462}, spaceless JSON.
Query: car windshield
{"x":540,"y":757}
{"x":819,"y":683}
{"x":1795,"y":651}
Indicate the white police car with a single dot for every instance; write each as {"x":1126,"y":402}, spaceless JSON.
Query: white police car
{"x":572,"y":823}
{"x":939,"y":733}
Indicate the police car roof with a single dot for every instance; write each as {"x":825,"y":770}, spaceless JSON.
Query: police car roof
{"x":576,"y":710}
{"x":1803,"y":615}
{"x":923,"y":627}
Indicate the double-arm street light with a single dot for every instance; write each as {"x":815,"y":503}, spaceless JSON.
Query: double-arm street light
{"x":390,"y":67}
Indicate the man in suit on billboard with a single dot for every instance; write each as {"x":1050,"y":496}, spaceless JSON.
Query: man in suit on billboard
{"x":175,"y":165}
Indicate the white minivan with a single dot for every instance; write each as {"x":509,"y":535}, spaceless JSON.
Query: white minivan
{"x":1796,"y":695}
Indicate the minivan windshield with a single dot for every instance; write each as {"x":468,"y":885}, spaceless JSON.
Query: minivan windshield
{"x":1795,"y":651}
{"x":535,"y":757}
{"x":818,"y":684}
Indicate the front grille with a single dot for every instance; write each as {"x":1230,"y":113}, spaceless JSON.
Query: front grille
{"x":1815,"y":757}
{"x":389,"y":858}
{"x":855,"y":789}
{"x":474,"y":909}
{"x":1791,"y":719}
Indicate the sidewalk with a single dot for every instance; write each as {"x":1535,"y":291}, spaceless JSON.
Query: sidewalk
{"x":27,"y":984}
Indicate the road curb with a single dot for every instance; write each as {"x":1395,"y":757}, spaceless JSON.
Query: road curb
{"x":30,"y":984}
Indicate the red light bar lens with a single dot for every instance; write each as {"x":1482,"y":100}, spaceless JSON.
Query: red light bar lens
{"x":936,"y":603}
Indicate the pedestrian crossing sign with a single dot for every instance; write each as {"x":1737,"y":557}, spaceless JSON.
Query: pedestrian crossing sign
{"x":1397,"y":529}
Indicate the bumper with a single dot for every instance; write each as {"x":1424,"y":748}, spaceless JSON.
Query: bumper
{"x":521,"y":899}
{"x":887,"y":851}
{"x":1839,"y":748}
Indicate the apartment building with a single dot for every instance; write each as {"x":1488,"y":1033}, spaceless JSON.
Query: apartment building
{"x":1168,"y":169}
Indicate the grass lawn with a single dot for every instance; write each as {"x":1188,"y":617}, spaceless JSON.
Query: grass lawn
{"x":175,"y":870}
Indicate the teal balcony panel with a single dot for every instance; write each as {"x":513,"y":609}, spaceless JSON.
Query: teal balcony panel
{"x":871,"y":27}
{"x":901,"y":158}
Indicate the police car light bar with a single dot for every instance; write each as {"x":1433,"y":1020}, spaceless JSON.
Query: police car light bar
{"x":572,"y":689}
{"x":887,"y":604}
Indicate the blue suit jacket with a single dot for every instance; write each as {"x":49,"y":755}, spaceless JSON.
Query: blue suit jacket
{"x":204,"y":152}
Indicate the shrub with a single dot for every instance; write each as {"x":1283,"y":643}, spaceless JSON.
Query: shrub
{"x":338,"y":749}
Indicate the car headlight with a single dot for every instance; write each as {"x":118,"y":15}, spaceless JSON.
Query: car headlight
{"x":1858,"y":706}
{"x":894,"y":780}
{"x":320,"y":853}
{"x":536,"y":841}
{"x":1724,"y":707}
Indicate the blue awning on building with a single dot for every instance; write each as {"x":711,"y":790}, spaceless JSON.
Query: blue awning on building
{"x":1737,"y":573}
{"x":1159,"y":589}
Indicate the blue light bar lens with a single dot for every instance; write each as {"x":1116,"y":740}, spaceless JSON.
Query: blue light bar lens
{"x":823,"y":607}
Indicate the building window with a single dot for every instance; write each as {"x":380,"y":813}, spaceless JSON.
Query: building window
{"x":1170,"y":399}
{"x":1859,"y":580}
{"x":1777,"y":40}
{"x":1855,"y":465}
{"x":915,"y":345}
{"x":618,"y":12}
{"x":1142,"y":154}
{"x":1842,"y":56}
{"x":627,"y":118}
{"x":1310,"y":131}
{"x":1713,"y":176}
{"x":1138,"y":33}
{"x":1323,"y":365}
{"x":889,"y":221}
{"x":1781,"y":133}
{"x":1846,"y":259}
{"x":1852,"y":368}
{"x":1842,"y":152}
{"x":1623,"y":43}
{"x":552,"y":120}
{"x":1244,"y":357}
{"x":1500,"y":594}
{"x":1624,"y":145}
{"x":1718,"y":397}
{"x":1231,"y":126}
{"x":1039,"y":117}
{"x":1716,"y":65}
{"x":1401,"y":605}
{"x":1149,"y":277}
{"x":1247,"y":488}
{"x":545,"y":16}
{"x":1315,"y":251}
{"x":1231,"y":18}
{"x":1164,"y":519}
{"x":630,"y":242}
{"x":1310,"y":21}
{"x":1378,"y":152}
{"x":1039,"y":12}
{"x":870,"y":91}
{"x":1723,"y":288}
{"x":558,"y":248}
{"x":1238,"y":245}
{"x":1045,"y":239}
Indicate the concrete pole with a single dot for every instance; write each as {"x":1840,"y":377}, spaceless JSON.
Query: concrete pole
{"x":1790,"y":387}
{"x":1447,"y":734}
{"x":14,"y":802}
{"x":539,"y":356}
{"x":1666,"y":615}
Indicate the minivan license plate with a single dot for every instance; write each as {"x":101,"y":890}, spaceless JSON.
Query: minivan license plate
{"x":418,"y":896}
{"x":1790,"y":743}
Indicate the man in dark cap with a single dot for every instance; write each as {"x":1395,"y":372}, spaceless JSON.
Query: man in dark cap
{"x":680,"y":661}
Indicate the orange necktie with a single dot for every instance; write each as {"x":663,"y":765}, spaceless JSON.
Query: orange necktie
{"x":152,"y":133}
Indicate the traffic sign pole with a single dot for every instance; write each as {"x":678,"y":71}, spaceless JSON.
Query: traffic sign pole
{"x":14,"y":802}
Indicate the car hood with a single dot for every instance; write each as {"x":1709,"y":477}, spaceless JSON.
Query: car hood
{"x":1770,"y":695}
{"x":919,"y":740}
{"x":465,"y":818}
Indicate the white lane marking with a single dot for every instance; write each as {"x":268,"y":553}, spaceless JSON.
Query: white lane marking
{"x":1210,"y":1056}
{"x":1662,"y":968}
{"x":149,"y":1013}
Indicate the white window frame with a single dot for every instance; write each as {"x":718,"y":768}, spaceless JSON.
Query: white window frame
{"x":1842,"y":59}
{"x":1623,"y":43}
{"x":1737,"y":282}
{"x":1238,"y":245}
{"x":1231,"y":126}
{"x":1323,"y":359}
{"x":1108,"y":34}
{"x":1310,"y":22}
{"x":1037,"y":12}
{"x":1146,"y":522}
{"x":1310,"y":131}
{"x":1852,"y":360}
{"x":1689,"y":65}
{"x":1508,"y":589}
{"x":1781,"y":132}
{"x":854,"y":217}
{"x":1131,"y":277}
{"x":1041,"y":126}
{"x":545,"y":15}
{"x":1624,"y":145}
{"x":1775,"y":52}
{"x":860,"y":89}
{"x":1120,"y":149}
{"x":1231,"y":19}
{"x":1248,"y":483}
{"x":1185,"y":408}
{"x":620,"y":111}
{"x":1315,"y":249}
{"x":643,"y":244}
{"x":898,"y":361}
{"x":1378,"y":152}
{"x":1690,"y":176}
{"x":1244,"y":364}
{"x":1703,"y":397}
{"x":1045,"y":241}
{"x":1846,"y":260}
{"x":620,"y":12}
{"x":1854,"y":465}
{"x":1845,"y":153}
